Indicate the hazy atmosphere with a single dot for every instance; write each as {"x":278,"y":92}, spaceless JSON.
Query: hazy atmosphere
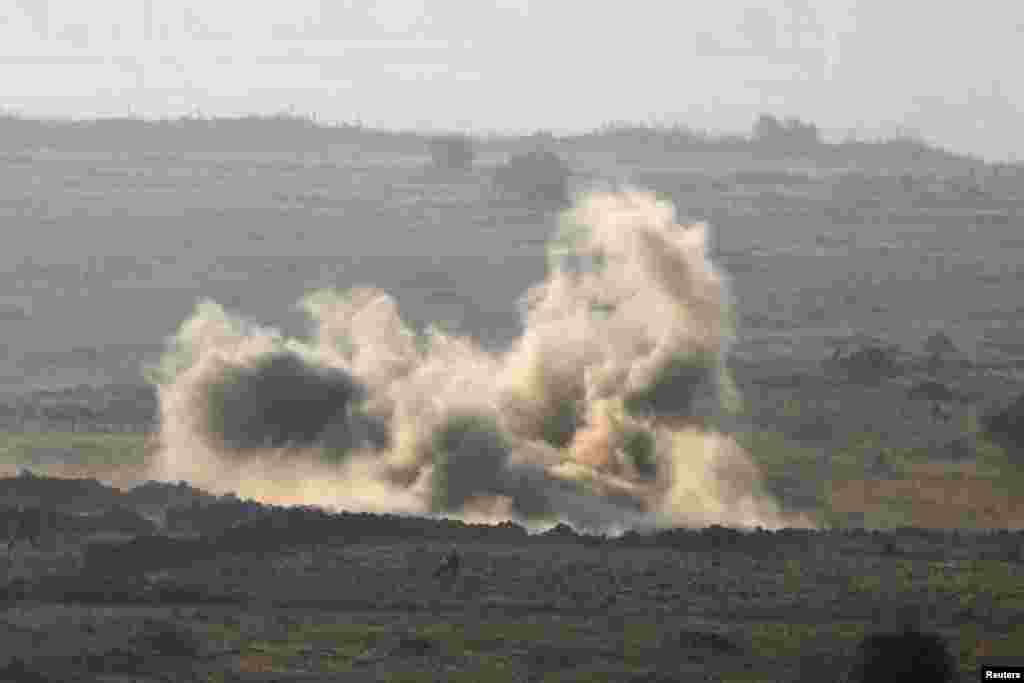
{"x":514,"y":342}
{"x":946,"y":72}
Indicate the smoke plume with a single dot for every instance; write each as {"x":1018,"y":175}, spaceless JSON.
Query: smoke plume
{"x":598,"y":415}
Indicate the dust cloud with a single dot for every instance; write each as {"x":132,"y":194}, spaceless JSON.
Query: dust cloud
{"x":601,"y":415}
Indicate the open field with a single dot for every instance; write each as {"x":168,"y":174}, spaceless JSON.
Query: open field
{"x":115,"y":249}
{"x":108,"y":240}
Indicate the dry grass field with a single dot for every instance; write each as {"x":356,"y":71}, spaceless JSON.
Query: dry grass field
{"x":114,"y":251}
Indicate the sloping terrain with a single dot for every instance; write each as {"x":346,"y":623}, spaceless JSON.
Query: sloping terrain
{"x":354,"y":596}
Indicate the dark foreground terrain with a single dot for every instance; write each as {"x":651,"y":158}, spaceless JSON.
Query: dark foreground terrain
{"x":165,"y":583}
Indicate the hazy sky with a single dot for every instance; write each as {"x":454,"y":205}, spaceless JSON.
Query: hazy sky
{"x":948,"y":71}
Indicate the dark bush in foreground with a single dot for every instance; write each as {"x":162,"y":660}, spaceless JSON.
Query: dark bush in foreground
{"x":18,"y":671}
{"x":907,"y":656}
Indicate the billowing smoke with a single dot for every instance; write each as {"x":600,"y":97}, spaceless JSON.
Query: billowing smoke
{"x":602,"y":414}
{"x":278,"y":400}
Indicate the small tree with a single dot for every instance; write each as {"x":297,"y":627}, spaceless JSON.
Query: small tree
{"x":768,"y":129}
{"x":793,"y":133}
{"x":537,"y":175}
{"x":801,"y":134}
{"x":452,"y":152}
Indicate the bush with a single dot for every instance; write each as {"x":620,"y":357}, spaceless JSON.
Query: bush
{"x":452,"y":152}
{"x":910,"y":655}
{"x":536,"y":175}
{"x":789,"y":134}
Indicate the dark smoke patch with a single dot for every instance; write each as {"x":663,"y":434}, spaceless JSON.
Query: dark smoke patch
{"x":469,"y":454}
{"x":358,"y":430}
{"x":628,"y":330}
{"x":673,"y":391}
{"x":471,"y":459}
{"x":280,"y":400}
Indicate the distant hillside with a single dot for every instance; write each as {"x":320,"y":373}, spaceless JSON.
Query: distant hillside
{"x":290,"y":133}
{"x":193,"y":134}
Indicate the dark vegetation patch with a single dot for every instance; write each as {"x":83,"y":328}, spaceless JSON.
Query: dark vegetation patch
{"x":266,"y":528}
{"x":452,"y":152}
{"x":704,"y":640}
{"x":166,"y":638}
{"x":870,"y":365}
{"x":539,"y":175}
{"x":211,"y":517}
{"x":17,"y":670}
{"x":910,"y":655}
{"x":818,"y":428}
{"x":54,"y":491}
{"x":166,"y":495}
{"x":1007,"y":426}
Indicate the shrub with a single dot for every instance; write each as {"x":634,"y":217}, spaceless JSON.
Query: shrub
{"x":1007,"y":427}
{"x":536,"y":175}
{"x":789,"y":134}
{"x":452,"y":152}
{"x":910,"y":655}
